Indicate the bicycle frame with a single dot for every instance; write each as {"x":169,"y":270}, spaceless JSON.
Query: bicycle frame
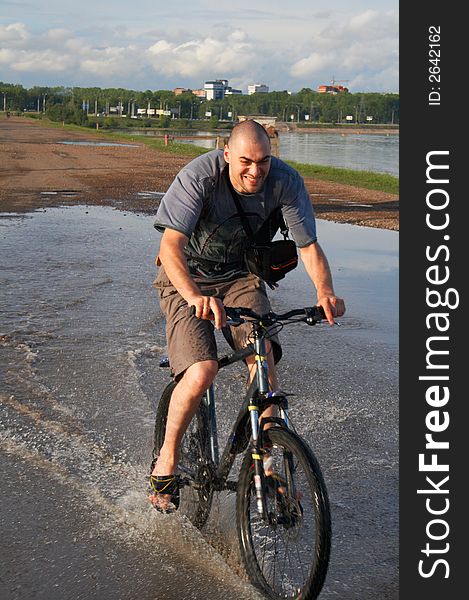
{"x":257,"y":398}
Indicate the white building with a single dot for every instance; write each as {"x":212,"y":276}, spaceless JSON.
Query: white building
{"x":218,"y":89}
{"x":215,"y":90}
{"x":258,"y":88}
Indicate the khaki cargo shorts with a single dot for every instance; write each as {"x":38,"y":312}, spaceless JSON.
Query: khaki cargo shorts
{"x":192,"y":340}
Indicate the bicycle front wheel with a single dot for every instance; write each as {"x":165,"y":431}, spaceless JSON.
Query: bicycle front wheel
{"x":286,"y":556}
{"x":194,"y":467}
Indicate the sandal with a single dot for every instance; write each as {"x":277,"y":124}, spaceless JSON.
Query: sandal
{"x":164,"y":493}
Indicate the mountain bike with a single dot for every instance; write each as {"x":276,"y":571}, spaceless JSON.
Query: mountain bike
{"x":282,"y":507}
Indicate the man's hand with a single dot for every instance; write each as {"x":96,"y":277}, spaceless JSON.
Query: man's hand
{"x":333,"y":307}
{"x":209,"y":308}
{"x":317,"y":267}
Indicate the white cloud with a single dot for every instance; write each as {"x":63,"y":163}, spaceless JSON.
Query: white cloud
{"x":111,"y":62}
{"x":314,"y":63}
{"x":364,"y":20}
{"x":45,"y":60}
{"x":359,"y":49}
{"x":6,"y":56}
{"x":13,"y":33}
{"x":206,"y":57}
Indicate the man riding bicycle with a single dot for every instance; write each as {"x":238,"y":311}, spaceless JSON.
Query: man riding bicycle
{"x":201,"y":257}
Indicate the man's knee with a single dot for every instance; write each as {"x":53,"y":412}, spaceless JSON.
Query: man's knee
{"x":200,"y":375}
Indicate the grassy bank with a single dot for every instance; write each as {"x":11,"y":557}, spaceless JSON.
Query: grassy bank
{"x":362,"y":179}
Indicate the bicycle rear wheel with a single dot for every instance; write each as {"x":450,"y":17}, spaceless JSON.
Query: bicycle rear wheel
{"x":287,"y":557}
{"x":194,"y":467}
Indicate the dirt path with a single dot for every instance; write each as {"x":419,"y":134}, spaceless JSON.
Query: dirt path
{"x":38,"y":170}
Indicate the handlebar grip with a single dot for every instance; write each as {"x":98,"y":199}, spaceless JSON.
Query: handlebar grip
{"x":232,"y":315}
{"x":314,"y":314}
{"x":320,"y":311}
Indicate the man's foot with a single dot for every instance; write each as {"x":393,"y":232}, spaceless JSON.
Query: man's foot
{"x":164,"y":493}
{"x":277,"y":481}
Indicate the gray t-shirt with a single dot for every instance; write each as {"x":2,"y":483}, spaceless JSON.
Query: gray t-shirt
{"x":199,"y":204}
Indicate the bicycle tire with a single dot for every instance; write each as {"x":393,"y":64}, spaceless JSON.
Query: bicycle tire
{"x":289,"y":557}
{"x":194,"y":467}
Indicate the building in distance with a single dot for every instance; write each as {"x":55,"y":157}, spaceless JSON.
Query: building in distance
{"x":217,"y":89}
{"x":258,"y":88}
{"x":229,"y":91}
{"x":180,"y":90}
{"x":332,"y":89}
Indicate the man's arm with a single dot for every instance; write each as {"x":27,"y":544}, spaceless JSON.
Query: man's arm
{"x":172,"y":258}
{"x":317,"y":267}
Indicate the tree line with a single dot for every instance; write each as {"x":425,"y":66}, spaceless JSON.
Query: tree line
{"x":84,"y":106}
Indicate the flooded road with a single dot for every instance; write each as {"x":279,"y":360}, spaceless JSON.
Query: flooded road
{"x":81,"y":337}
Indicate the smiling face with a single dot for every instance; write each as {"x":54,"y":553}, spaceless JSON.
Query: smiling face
{"x":248,"y":157}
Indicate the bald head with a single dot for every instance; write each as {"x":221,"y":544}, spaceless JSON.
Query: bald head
{"x":250,"y":131}
{"x":248,"y":155}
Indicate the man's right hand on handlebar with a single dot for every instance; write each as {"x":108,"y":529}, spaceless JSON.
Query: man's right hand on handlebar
{"x":209,"y":308}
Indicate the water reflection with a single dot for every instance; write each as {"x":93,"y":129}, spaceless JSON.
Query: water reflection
{"x":370,"y":152}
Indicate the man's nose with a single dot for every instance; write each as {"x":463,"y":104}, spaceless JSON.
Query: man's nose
{"x":254,"y":169}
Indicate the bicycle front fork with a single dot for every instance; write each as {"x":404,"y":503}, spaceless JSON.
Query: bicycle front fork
{"x":256,"y":428}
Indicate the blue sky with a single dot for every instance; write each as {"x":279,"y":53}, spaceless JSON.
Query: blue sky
{"x":161,"y":45}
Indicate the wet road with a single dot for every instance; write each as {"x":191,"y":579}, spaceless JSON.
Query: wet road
{"x":81,"y":337}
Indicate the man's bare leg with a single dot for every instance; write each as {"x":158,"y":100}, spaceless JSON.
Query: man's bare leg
{"x":184,"y":402}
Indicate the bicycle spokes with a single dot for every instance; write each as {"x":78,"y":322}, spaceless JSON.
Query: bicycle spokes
{"x":287,"y":552}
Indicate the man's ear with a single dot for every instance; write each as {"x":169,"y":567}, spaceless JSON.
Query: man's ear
{"x":226,"y":154}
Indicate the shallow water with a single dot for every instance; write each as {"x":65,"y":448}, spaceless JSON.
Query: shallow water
{"x":77,"y":143}
{"x":81,"y":338}
{"x":368,"y":152}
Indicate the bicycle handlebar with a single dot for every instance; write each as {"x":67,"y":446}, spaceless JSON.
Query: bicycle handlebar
{"x":311,"y":315}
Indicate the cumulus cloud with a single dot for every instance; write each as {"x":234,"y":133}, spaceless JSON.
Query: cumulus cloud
{"x":14,"y":32}
{"x":202,"y":56}
{"x":45,"y":60}
{"x":314,"y":63}
{"x":359,"y":49}
{"x":59,"y":51}
{"x":109,"y":62}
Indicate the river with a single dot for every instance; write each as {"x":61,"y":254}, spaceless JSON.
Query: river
{"x":81,"y":338}
{"x":374,"y":152}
